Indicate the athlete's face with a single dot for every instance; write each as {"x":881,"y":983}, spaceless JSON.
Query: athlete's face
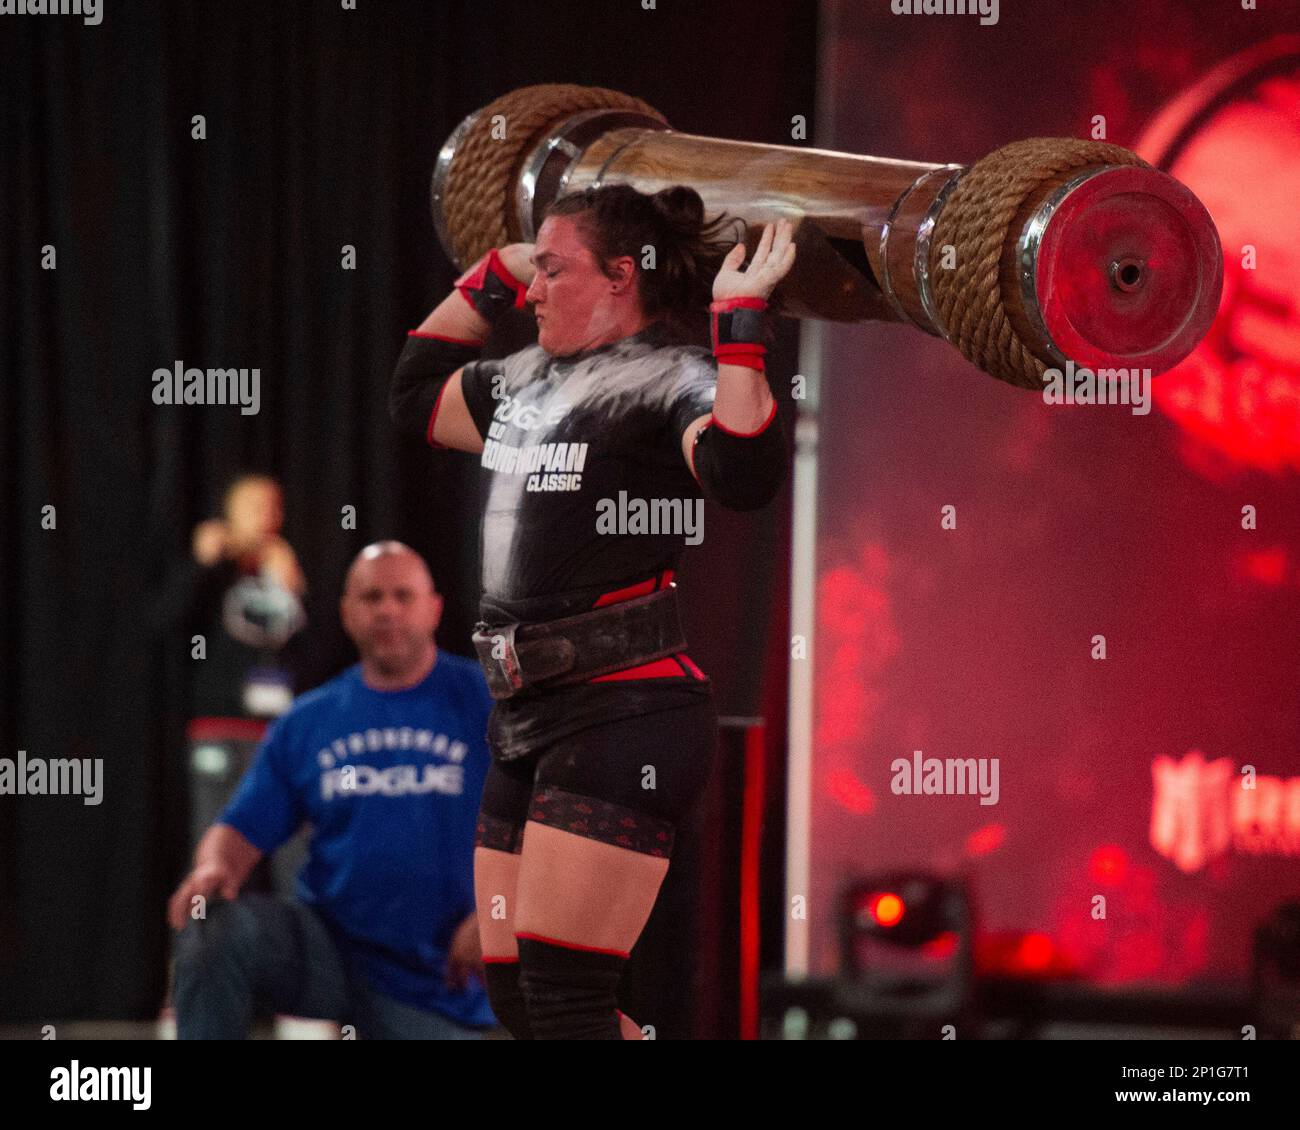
{"x":390,"y":610}
{"x":577,"y":305}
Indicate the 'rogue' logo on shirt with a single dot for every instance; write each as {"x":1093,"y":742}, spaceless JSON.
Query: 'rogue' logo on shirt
{"x":396,"y":780}
{"x":513,"y":410}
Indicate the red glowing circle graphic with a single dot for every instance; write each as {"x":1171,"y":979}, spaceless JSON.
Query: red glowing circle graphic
{"x":1234,"y":139}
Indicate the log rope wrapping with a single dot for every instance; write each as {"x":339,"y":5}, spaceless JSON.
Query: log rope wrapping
{"x":976,"y":221}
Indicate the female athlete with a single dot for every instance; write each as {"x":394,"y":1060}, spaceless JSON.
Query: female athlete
{"x":598,"y":444}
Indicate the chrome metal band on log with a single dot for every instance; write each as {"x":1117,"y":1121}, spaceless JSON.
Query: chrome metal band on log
{"x":998,"y":257}
{"x":547,"y":171}
{"x":908,"y":256}
{"x":438,"y":191}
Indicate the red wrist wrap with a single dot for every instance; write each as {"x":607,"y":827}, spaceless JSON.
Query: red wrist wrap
{"x":736,"y":327}
{"x":490,"y":288}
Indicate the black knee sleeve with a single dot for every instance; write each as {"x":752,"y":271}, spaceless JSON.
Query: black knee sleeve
{"x":571,"y":994}
{"x":507,"y":998}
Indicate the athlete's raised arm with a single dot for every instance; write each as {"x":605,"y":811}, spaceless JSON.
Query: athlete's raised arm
{"x":738,"y":452}
{"x":426,"y":397}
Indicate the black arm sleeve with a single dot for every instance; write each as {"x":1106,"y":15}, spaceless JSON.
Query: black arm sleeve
{"x":742,"y":472}
{"x":738,"y":472}
{"x":422,"y":372}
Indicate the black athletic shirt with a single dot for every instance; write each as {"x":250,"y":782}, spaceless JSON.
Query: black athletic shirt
{"x":561,"y":434}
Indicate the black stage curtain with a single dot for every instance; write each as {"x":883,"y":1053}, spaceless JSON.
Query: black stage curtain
{"x":322,"y":125}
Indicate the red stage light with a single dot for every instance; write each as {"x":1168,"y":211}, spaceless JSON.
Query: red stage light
{"x":1268,"y":566}
{"x":886,"y":909}
{"x":986,"y":839}
{"x":851,"y":794}
{"x":1108,"y":865}
{"x":944,"y":946}
{"x":1035,"y":953}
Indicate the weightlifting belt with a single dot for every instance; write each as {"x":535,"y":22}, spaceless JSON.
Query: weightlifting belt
{"x":573,"y":649}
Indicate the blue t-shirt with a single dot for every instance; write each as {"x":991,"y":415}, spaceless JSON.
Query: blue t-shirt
{"x":390,"y":782}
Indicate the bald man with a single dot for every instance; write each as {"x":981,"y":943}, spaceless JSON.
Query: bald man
{"x":386,"y":762}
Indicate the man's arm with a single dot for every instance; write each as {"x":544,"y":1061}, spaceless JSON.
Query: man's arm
{"x":227,"y":846}
{"x":222,"y":863}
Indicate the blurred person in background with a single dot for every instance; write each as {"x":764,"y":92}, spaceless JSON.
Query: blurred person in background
{"x":386,"y":762}
{"x":242,"y":590}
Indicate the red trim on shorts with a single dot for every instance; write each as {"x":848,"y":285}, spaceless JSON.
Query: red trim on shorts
{"x":443,"y":337}
{"x":745,"y":435}
{"x":570,"y":945}
{"x":641,"y":588}
{"x":500,"y":960}
{"x":226,"y":729}
{"x":751,"y":829}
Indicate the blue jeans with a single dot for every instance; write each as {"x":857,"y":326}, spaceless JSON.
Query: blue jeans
{"x":274,"y":952}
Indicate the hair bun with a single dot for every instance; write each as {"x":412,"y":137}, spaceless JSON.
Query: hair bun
{"x":680,"y":206}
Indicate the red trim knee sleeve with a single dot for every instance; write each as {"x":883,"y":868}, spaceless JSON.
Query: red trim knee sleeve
{"x":571,"y":993}
{"x":506,"y":997}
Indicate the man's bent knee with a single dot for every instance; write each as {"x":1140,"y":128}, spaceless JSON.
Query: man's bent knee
{"x":227,"y":927}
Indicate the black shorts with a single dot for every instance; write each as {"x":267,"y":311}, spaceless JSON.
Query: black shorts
{"x":534,"y":720}
{"x":628,"y":780}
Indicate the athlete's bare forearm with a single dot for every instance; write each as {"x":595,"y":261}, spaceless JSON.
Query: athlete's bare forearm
{"x":454,"y":317}
{"x":743,"y":401}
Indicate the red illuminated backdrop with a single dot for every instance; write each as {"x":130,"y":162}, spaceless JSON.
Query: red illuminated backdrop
{"x":1120,"y":777}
